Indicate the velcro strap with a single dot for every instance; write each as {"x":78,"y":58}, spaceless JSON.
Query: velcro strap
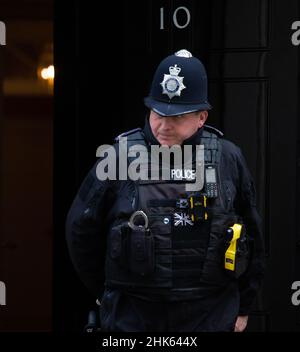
{"x":154,"y":203}
{"x":181,"y":203}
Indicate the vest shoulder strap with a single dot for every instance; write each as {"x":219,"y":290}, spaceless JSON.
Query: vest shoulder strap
{"x":134,"y":137}
{"x":135,"y":134}
{"x":213,"y":130}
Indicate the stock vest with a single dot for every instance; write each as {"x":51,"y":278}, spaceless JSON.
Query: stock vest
{"x":174,"y":251}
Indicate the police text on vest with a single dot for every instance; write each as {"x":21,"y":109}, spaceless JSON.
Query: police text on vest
{"x":183,"y":174}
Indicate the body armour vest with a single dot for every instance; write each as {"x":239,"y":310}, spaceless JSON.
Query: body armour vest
{"x":184,"y":243}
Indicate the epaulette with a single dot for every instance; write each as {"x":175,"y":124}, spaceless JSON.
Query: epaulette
{"x":213,"y":130}
{"x":127,"y":133}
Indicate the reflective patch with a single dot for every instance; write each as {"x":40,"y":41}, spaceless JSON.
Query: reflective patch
{"x":183,"y":174}
{"x":182,"y":219}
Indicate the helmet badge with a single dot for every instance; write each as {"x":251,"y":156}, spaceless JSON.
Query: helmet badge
{"x":172,"y":84}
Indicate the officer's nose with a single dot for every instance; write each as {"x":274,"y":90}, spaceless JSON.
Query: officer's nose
{"x":167,"y":123}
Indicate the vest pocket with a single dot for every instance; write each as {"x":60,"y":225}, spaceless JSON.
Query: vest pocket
{"x":141,"y":256}
{"x":116,"y":242}
{"x":242,"y":254}
{"x":214,"y":272}
{"x":132,"y":249}
{"x":118,"y":248}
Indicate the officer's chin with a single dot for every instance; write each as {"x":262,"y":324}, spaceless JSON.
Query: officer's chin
{"x":167,"y":141}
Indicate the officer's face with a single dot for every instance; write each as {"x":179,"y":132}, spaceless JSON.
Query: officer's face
{"x":170,"y":130}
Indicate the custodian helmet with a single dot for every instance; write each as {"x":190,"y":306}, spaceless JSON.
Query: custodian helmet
{"x":179,"y":86}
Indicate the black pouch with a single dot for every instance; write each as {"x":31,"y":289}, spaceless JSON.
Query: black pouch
{"x":241,"y":256}
{"x":141,"y":256}
{"x":119,"y":243}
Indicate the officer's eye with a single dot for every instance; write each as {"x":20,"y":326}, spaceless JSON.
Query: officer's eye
{"x":157,"y":116}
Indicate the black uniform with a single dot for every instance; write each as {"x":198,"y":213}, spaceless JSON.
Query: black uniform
{"x":170,"y":277}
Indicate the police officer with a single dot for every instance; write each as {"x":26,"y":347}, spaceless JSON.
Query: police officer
{"x":160,"y":257}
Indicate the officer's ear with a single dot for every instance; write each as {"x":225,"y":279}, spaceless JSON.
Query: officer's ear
{"x":202,"y":117}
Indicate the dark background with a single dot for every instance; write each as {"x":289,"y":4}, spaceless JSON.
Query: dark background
{"x":26,"y":166}
{"x":105,"y":59}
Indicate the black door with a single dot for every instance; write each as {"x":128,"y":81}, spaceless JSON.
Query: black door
{"x":105,"y":60}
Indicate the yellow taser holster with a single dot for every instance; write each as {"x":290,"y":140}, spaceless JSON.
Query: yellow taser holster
{"x":230,"y":254}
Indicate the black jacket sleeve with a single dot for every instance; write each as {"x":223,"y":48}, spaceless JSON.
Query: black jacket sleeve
{"x":86,"y":231}
{"x":251,"y":281}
